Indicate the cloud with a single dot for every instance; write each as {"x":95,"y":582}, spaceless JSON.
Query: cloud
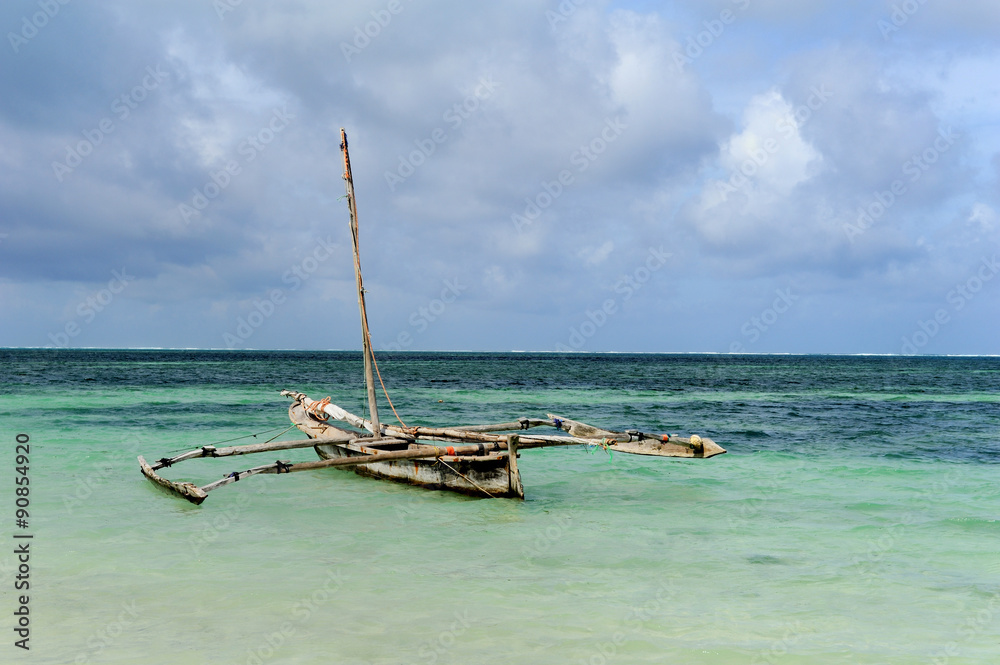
{"x":813,"y":156}
{"x":593,"y":256}
{"x":463,"y":118}
{"x":761,"y":165}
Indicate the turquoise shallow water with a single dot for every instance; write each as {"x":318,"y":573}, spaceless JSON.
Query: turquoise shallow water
{"x":856,"y":518}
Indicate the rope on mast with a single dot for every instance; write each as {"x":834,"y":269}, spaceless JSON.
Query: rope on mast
{"x":369,"y":352}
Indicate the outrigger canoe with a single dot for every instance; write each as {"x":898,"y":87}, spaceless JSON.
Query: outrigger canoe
{"x":479,"y":460}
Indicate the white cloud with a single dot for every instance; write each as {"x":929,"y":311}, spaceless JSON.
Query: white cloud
{"x":770,"y":152}
{"x":669,"y":111}
{"x":593,"y":256}
{"x":761,"y":165}
{"x":983,"y":218}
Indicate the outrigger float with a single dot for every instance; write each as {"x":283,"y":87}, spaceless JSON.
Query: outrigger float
{"x":479,"y":460}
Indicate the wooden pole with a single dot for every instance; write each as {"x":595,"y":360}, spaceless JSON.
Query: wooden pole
{"x":522,"y":423}
{"x":515,"y":485}
{"x":366,"y":337}
{"x":660,"y":446}
{"x":418,"y":452}
{"x":212,"y":451}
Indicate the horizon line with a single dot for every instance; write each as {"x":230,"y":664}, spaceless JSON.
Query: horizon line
{"x":520,"y":351}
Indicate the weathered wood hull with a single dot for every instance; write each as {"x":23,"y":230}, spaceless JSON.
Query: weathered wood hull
{"x":481,"y":475}
{"x":189,"y":491}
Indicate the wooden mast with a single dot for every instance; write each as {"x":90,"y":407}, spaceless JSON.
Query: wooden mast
{"x":366,"y":341}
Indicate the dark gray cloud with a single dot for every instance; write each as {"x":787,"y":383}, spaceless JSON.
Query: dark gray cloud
{"x":532,"y":157}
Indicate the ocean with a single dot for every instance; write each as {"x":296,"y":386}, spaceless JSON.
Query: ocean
{"x":854,"y":520}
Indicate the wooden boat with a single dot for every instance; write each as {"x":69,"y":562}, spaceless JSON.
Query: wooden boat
{"x":479,"y":460}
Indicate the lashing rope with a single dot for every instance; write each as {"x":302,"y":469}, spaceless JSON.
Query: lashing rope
{"x":245,"y":436}
{"x":603,"y":443}
{"x":316,"y":409}
{"x":441,"y":461}
{"x":384,"y":391}
{"x":357,"y":266}
{"x":280,"y":433}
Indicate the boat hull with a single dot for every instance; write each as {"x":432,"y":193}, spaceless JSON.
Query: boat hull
{"x":476,"y":476}
{"x":480,"y":475}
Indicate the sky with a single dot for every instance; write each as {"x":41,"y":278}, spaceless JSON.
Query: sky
{"x":750,"y":176}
